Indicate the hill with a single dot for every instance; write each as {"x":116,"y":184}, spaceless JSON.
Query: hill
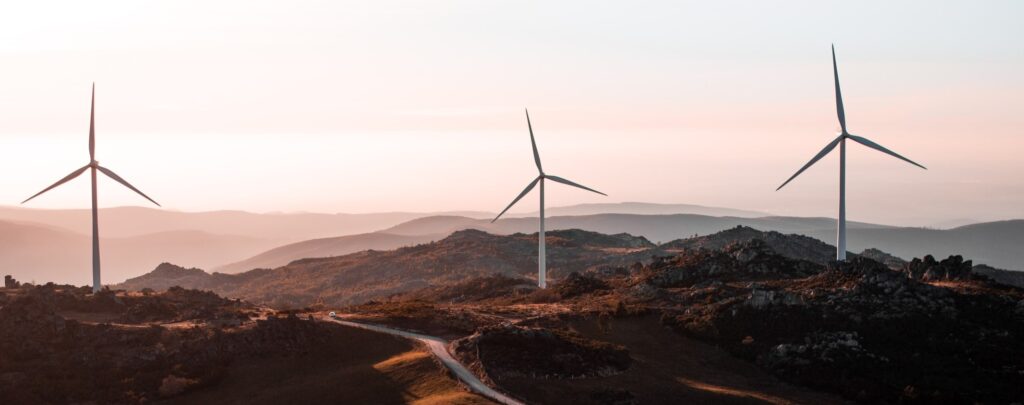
{"x":792,"y":246}
{"x":325,"y":247}
{"x":369,"y":275}
{"x":992,"y":243}
{"x":931,"y":331}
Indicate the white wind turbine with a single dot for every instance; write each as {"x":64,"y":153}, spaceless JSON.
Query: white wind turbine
{"x":541,"y":254}
{"x":94,"y":165}
{"x":841,"y":141}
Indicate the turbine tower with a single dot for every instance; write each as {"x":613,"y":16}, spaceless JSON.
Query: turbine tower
{"x":841,"y":142}
{"x":93,"y":166}
{"x":542,"y":281}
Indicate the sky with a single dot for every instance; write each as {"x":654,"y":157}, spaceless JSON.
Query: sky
{"x":418,"y":106}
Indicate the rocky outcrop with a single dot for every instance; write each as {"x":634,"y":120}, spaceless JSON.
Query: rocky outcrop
{"x":797,"y":247}
{"x":952,"y":268}
{"x":576,"y":284}
{"x":888,"y":260}
{"x":749,"y":260}
{"x":868,"y":332}
{"x":167,"y":275}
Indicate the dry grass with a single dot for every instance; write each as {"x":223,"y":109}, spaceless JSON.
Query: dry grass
{"x":424,"y":381}
{"x":735,"y":392}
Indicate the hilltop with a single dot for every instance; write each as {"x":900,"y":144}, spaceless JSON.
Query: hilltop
{"x":792,"y":246}
{"x":368,"y":275}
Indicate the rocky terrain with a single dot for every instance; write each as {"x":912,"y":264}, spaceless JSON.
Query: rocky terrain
{"x":925,"y":331}
{"x":792,"y":246}
{"x":873,"y":334}
{"x":468,"y":255}
{"x":735,"y":317}
{"x":63,"y":344}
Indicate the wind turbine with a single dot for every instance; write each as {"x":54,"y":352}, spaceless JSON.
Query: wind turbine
{"x":93,"y":166}
{"x":542,"y":273}
{"x":841,"y":142}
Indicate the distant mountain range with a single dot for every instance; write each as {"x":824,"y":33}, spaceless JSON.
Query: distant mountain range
{"x":642,"y":208}
{"x":53,"y":245}
{"x":992,"y":243}
{"x":44,"y":253}
{"x":654,"y":227}
{"x":326,"y":247}
{"x":299,"y":226}
{"x":294,"y":227}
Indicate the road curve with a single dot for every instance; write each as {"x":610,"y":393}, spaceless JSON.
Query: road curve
{"x":439,"y":347}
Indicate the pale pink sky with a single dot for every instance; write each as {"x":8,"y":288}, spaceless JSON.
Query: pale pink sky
{"x":417,"y":106}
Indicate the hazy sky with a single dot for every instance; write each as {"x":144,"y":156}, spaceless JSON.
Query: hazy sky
{"x":418,"y":106}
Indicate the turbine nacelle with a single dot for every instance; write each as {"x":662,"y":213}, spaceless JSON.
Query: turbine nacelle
{"x":843,"y":133}
{"x":541,"y":175}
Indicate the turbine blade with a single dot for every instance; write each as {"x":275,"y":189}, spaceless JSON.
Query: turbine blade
{"x":526,"y":190}
{"x":92,"y":125}
{"x":66,"y":179}
{"x":118,"y":179}
{"x":533,"y":142}
{"x":839,"y":94}
{"x":828,"y":148}
{"x":564,"y":181}
{"x":880,"y":148}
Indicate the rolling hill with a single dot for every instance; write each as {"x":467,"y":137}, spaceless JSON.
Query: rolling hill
{"x":654,"y":227}
{"x":326,"y":247}
{"x":993,"y":243}
{"x":367,"y":275}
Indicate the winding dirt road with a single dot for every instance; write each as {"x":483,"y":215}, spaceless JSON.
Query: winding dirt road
{"x":439,"y":347}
